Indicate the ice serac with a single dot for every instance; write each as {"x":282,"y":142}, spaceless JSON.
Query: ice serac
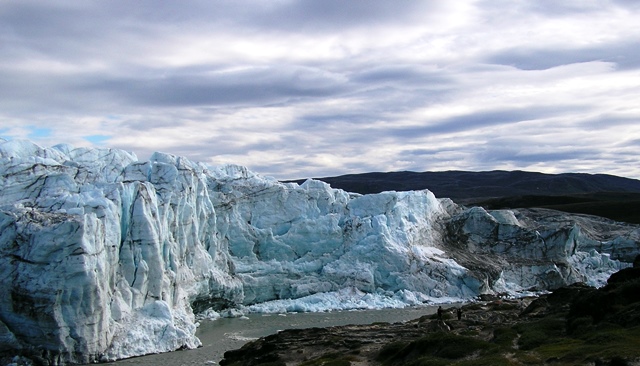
{"x":538,"y":249}
{"x":103,"y":256}
{"x":290,"y":241}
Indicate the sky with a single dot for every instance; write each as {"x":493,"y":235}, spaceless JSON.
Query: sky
{"x":300,"y":88}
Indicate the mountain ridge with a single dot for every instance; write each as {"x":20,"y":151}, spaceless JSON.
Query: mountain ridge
{"x":460,"y":184}
{"x":605,"y":195}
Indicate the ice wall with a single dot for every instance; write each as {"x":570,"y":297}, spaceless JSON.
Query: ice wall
{"x":538,"y":249}
{"x":290,"y":241}
{"x":103,"y":256}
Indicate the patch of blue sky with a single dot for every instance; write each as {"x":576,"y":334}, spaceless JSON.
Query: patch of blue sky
{"x":39,"y":132}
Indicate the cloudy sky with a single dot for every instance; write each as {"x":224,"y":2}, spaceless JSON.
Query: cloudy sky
{"x":313,"y":88}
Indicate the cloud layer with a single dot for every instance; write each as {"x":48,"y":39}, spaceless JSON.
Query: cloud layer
{"x":301,"y":88}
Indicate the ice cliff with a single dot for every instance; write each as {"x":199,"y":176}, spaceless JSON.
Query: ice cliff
{"x":104,"y":257}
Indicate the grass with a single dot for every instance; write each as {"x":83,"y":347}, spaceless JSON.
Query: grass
{"x":433,"y":349}
{"x":537,"y":333}
{"x":600,"y":343}
{"x":535,"y":342}
{"x":504,"y":336}
{"x":331,"y":359}
{"x":490,"y":360}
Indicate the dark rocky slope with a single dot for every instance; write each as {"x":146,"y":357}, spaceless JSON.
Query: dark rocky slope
{"x":575,"y":325}
{"x":603,"y":195}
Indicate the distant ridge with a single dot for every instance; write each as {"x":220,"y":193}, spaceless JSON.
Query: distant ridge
{"x":472,"y":185}
{"x":604,"y":195}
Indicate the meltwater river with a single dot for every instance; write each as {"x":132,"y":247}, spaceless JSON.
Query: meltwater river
{"x":224,"y":334}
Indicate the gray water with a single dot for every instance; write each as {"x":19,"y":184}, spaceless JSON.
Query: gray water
{"x":225,"y":334}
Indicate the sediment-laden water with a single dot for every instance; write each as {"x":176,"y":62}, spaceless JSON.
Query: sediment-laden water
{"x":225,"y":334}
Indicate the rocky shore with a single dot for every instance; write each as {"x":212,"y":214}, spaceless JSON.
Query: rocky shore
{"x":575,"y":325}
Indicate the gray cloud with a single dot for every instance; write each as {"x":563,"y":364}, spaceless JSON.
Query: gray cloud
{"x":468,"y":122}
{"x":404,"y":74}
{"x":144,"y":125}
{"x":63,"y":26}
{"x":514,"y":155}
{"x":631,"y":4}
{"x":560,"y":8}
{"x":551,"y":8}
{"x":263,"y":85}
{"x":314,"y":16}
{"x":607,"y":121}
{"x":623,"y":55}
{"x":422,"y":152}
{"x":630,"y":143}
{"x":255,"y":86}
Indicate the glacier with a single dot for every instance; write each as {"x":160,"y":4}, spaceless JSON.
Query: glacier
{"x":104,"y":256}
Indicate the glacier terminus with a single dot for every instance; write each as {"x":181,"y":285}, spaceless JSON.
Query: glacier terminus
{"x":104,"y":256}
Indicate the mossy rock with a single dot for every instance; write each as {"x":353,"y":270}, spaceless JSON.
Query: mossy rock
{"x":438,"y":345}
{"x":536,"y":333}
{"x":331,"y":359}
